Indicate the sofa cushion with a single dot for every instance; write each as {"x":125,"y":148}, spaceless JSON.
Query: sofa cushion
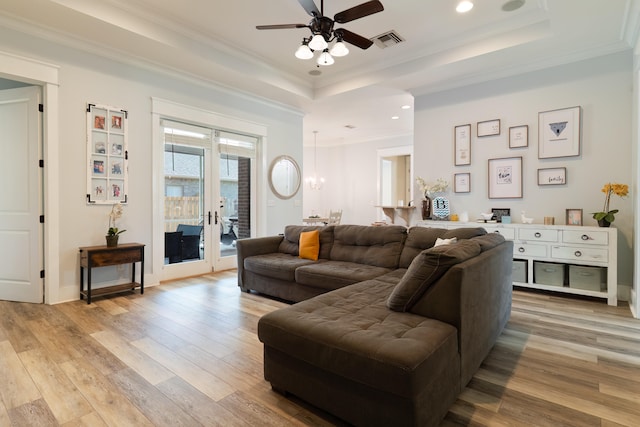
{"x":275,"y":265}
{"x":351,"y":333}
{"x":331,"y":274}
{"x":489,"y":240}
{"x":421,"y":238}
{"x":464,"y":233}
{"x":426,"y":269}
{"x":290,"y":243}
{"x":309,"y":245}
{"x":362,"y":244}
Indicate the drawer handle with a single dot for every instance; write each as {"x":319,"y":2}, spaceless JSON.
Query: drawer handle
{"x":538,"y":234}
{"x":585,"y":237}
{"x":577,"y":253}
{"x":497,"y":232}
{"x":520,"y":249}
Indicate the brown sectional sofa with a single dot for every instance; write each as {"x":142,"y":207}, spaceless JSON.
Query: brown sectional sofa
{"x":390,"y":329}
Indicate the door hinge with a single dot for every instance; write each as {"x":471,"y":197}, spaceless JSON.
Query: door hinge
{"x":41,"y":219}
{"x":41,"y":163}
{"x":41,"y":108}
{"x":42,"y":274}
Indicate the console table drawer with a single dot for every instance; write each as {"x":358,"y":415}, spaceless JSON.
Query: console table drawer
{"x":540,"y":235}
{"x":507,"y":233}
{"x":580,"y":253}
{"x":529,"y":249}
{"x":587,"y":237}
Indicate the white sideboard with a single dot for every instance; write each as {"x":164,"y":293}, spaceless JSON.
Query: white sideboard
{"x":564,"y":245}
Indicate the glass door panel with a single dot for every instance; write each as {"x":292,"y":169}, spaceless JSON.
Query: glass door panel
{"x":184,"y":195}
{"x":235,"y":202}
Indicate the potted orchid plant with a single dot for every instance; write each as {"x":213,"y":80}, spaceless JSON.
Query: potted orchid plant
{"x":606,"y":216}
{"x":113,"y":232}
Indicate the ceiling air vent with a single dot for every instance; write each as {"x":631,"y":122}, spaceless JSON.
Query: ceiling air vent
{"x":387,"y":39}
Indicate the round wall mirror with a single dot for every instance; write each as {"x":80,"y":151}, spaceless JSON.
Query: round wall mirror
{"x":284,"y":177}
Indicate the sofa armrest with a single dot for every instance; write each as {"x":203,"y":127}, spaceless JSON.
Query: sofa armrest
{"x":254,"y":246}
{"x":475,"y":297}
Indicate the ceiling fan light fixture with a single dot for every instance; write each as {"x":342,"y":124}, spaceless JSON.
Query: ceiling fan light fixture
{"x":318,"y":42}
{"x":304,"y":52}
{"x":339,"y":49}
{"x":325,"y":58}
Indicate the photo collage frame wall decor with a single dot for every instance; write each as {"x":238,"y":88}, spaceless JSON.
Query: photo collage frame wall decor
{"x":107,"y":155}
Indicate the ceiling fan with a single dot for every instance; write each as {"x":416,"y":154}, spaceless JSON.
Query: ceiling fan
{"x":322,"y":32}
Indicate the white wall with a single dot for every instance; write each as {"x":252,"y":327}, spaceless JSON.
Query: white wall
{"x":602,"y":87}
{"x":87,"y":78}
{"x":351,"y":173}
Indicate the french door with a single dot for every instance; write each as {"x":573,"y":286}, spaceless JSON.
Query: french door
{"x":207,"y":197}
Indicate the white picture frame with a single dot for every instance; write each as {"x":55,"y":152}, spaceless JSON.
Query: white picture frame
{"x":505,"y":178}
{"x":488,"y":128}
{"x":462,"y":145}
{"x":462,"y":182}
{"x":519,"y":136}
{"x":552,"y":176}
{"x":559,"y":133}
{"x":107,"y":155}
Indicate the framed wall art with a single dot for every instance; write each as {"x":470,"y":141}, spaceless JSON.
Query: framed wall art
{"x":574,"y":217}
{"x":488,"y":128}
{"x":519,"y":136}
{"x":462,"y":183}
{"x":107,"y":171}
{"x":505,"y":178}
{"x":462,"y":145}
{"x":559,"y":133}
{"x":500,"y":212}
{"x":552,"y":176}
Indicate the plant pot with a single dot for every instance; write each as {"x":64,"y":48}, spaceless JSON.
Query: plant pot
{"x":112,"y":241}
{"x":603,"y":223}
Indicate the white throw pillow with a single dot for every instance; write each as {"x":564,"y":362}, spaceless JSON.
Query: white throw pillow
{"x":440,"y":242}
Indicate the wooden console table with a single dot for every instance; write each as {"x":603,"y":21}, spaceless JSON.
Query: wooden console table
{"x":102,"y":256}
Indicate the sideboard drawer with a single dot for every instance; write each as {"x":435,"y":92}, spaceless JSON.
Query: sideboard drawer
{"x":507,"y":233}
{"x":529,"y":249}
{"x":540,"y":234}
{"x":580,"y":253}
{"x":587,"y":237}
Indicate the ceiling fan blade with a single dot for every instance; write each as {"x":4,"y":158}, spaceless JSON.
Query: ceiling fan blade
{"x":310,"y":7}
{"x":356,"y":12}
{"x":353,"y":38}
{"x":280,"y":26}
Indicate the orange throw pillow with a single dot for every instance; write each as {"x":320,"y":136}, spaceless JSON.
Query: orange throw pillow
{"x":309,"y":244}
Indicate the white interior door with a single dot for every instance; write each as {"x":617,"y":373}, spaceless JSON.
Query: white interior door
{"x":21,"y":247}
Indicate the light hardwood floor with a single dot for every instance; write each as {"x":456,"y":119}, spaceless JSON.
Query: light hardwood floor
{"x":186,"y":353}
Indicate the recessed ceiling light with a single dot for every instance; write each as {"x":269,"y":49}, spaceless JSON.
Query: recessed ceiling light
{"x":395,"y":117}
{"x":464,"y":6}
{"x":512,"y":5}
{"x":406,"y":107}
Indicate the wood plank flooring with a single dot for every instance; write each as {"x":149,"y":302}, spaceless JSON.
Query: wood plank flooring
{"x":186,"y":354}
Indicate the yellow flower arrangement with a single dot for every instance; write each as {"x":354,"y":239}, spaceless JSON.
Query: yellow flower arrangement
{"x":610,"y":188}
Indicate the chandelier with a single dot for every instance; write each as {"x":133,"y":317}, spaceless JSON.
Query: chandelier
{"x":315,"y":182}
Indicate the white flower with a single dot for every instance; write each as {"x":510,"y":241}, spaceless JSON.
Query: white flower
{"x":116,"y":213}
{"x":438,"y":187}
